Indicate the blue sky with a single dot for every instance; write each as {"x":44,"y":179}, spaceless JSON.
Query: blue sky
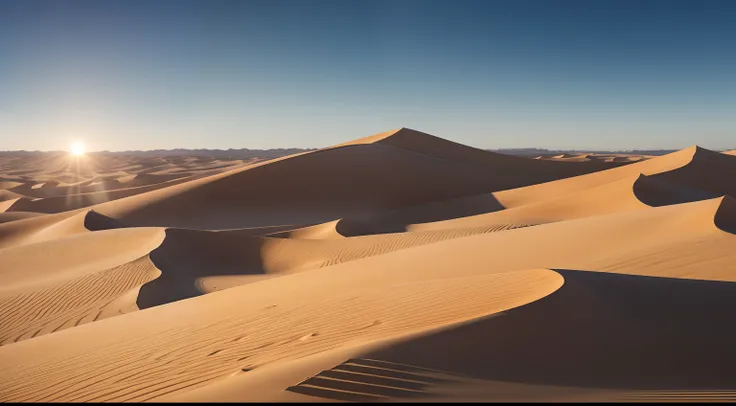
{"x":590,"y":74}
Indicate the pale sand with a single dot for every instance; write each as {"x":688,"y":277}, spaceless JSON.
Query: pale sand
{"x":396,"y":267}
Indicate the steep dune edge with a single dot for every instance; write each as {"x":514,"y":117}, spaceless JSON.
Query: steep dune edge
{"x":725,"y":217}
{"x":398,"y":220}
{"x":37,"y":227}
{"x":5,"y":205}
{"x":601,"y":321}
{"x":631,"y":193}
{"x":145,"y":355}
{"x":61,"y":283}
{"x":671,"y":241}
{"x":691,"y":167}
{"x":50,"y":262}
{"x":6,"y":195}
{"x":196,"y":262}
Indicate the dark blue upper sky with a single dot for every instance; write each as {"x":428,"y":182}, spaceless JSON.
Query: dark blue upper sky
{"x":259,"y":74}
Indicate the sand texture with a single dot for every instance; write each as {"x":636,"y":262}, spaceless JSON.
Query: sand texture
{"x":396,"y":267}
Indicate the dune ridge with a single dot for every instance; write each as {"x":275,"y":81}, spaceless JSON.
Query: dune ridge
{"x":331,"y":172}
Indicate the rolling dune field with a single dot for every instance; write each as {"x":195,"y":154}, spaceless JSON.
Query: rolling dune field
{"x":396,"y":267}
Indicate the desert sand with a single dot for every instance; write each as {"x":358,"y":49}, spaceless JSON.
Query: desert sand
{"x":396,"y":267}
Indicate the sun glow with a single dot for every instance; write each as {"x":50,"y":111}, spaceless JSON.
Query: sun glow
{"x":77,"y":149}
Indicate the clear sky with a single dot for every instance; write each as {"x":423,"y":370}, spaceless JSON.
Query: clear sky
{"x":588,"y":74}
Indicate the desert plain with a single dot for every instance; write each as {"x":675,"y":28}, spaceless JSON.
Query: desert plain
{"x":396,"y":267}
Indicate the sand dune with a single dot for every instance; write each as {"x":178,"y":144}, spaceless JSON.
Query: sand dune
{"x":17,"y":215}
{"x":680,"y":177}
{"x":91,"y":276}
{"x":396,"y":267}
{"x":248,"y":198}
{"x":196,"y":262}
{"x":693,"y":167}
{"x":36,"y":227}
{"x":670,"y":179}
{"x":631,"y":193}
{"x":213,"y":342}
{"x":536,"y":344}
{"x":426,"y":144}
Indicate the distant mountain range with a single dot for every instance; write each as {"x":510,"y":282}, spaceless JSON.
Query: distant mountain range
{"x":543,"y":151}
{"x":245,"y":153}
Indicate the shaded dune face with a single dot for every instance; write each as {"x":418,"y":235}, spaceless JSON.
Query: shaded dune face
{"x":352,"y":179}
{"x":399,"y":266}
{"x":676,"y":178}
{"x":188,"y":258}
{"x":725,"y":218}
{"x":599,"y":331}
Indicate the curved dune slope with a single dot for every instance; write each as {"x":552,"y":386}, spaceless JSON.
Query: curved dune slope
{"x":594,"y":333}
{"x":632,"y":193}
{"x":74,"y":302}
{"x":30,"y":228}
{"x":679,"y":177}
{"x":156,"y":352}
{"x":52,"y":285}
{"x":6,"y":195}
{"x":353,"y":178}
{"x":683,"y":176}
{"x":196,"y":262}
{"x":692,"y":167}
{"x":17,"y":215}
{"x":399,"y":220}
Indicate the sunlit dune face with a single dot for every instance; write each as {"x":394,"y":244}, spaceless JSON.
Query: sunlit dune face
{"x":77,"y":149}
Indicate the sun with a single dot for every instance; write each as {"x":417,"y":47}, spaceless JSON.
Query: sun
{"x":77,"y":149}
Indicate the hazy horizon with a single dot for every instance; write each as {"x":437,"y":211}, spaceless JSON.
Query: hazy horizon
{"x":558,"y":75}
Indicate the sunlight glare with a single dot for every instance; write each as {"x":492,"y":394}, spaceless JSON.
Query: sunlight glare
{"x":77,"y":149}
